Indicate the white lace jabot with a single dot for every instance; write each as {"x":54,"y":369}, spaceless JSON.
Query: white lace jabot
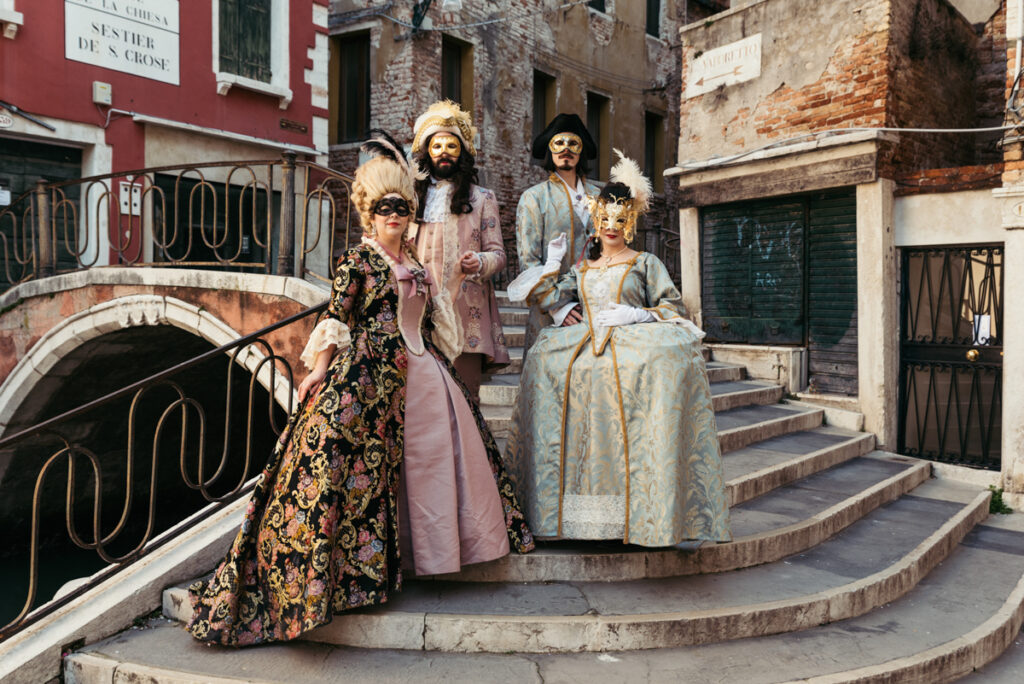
{"x":438,"y":204}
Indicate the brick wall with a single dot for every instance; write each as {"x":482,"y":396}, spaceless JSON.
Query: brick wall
{"x":847,"y":63}
{"x":932,"y":65}
{"x":990,"y":87}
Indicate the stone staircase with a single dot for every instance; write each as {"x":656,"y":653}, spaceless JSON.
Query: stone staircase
{"x":848,"y":565}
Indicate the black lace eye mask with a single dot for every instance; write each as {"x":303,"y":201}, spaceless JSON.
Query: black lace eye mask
{"x":392,"y":205}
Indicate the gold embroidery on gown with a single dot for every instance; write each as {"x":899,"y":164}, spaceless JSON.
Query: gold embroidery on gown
{"x":613,"y":432}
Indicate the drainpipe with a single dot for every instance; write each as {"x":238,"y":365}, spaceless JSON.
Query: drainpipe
{"x":1020,"y":37}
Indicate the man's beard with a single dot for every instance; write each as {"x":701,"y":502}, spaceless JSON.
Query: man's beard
{"x":565,"y":163}
{"x":444,"y":172}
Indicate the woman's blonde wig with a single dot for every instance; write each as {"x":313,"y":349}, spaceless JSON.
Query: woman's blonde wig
{"x":376,"y":178}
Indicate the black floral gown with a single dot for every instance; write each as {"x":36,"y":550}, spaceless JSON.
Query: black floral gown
{"x":320,"y":534}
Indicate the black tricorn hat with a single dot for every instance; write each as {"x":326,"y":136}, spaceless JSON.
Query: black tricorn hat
{"x":564,"y":123}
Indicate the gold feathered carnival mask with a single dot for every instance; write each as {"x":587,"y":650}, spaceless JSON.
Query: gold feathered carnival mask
{"x":614,"y":205}
{"x":446,"y":116}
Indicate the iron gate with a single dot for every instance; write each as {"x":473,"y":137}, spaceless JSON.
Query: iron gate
{"x":951,"y":358}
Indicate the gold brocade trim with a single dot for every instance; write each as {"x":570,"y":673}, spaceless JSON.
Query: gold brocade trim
{"x":625,"y":431}
{"x":561,"y":441}
{"x":598,"y":350}
{"x":543,"y":276}
{"x":419,"y":348}
{"x":555,"y":178}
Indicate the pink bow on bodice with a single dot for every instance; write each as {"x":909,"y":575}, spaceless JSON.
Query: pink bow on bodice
{"x":418,"y":278}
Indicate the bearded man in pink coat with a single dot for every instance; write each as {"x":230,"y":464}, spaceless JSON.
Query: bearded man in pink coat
{"x":459,"y":235}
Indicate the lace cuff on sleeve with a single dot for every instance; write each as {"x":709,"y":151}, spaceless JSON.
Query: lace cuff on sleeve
{"x":524,"y":283}
{"x":327,"y":332}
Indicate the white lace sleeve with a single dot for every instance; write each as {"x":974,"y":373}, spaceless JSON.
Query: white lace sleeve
{"x":327,"y":332}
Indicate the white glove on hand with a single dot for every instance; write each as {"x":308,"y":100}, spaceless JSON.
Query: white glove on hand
{"x":556,"y":251}
{"x":620,"y":314}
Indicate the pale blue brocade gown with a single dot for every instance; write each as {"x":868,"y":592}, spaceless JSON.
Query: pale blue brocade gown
{"x":613,"y":433}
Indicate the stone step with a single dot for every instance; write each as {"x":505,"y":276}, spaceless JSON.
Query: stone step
{"x":515,"y":366}
{"x":513,"y":315}
{"x":788,"y":520}
{"x":515,"y":335}
{"x":844,"y":577}
{"x":725,"y":372}
{"x":958,"y":618}
{"x":740,"y":427}
{"x":503,"y":302}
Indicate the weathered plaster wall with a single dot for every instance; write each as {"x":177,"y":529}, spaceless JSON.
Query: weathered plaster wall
{"x":895,"y":63}
{"x":966,"y":217}
{"x":822,"y":65}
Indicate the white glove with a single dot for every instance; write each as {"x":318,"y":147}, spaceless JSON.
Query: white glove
{"x":556,"y":251}
{"x":620,"y":314}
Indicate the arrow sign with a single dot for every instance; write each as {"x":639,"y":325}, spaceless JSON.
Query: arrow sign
{"x":727,"y":65}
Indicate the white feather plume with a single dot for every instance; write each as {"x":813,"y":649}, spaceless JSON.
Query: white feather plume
{"x":627,"y":172}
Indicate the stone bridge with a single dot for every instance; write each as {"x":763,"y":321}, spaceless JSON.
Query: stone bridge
{"x":94,"y":331}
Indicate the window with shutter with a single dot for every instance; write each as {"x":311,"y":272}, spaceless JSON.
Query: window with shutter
{"x":245,"y":38}
{"x":353,"y":87}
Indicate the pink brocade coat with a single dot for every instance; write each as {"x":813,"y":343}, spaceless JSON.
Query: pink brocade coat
{"x":441,"y":244}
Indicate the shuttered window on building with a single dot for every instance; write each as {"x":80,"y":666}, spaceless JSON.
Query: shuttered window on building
{"x":245,"y":38}
{"x":832,"y":294}
{"x":783,"y":271}
{"x":753,"y":272}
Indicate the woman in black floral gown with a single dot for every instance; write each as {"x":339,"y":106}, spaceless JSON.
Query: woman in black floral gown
{"x":321,"y":532}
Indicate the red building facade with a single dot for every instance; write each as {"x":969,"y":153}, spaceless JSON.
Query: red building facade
{"x":92,"y":87}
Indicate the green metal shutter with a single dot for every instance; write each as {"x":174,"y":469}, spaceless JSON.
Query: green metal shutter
{"x":832,"y":293}
{"x":753,"y":272}
{"x":245,"y":38}
{"x":229,"y":60}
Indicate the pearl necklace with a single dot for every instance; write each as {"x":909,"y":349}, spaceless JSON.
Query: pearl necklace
{"x":608,"y":259}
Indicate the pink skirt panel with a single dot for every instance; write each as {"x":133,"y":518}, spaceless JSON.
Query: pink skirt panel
{"x":450,"y":512}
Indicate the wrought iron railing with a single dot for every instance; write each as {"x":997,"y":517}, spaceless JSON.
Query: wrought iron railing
{"x":951,"y":355}
{"x":244,"y":215}
{"x":172,"y":417}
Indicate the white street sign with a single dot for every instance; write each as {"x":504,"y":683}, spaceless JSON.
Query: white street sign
{"x":134,"y":36}
{"x":733,"y":63}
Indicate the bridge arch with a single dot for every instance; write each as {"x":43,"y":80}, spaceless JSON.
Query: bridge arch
{"x":122,"y":313}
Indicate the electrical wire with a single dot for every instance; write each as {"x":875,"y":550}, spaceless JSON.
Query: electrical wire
{"x":721,"y":161}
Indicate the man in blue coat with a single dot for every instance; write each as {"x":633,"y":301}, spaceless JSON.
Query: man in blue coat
{"x":557,"y":205}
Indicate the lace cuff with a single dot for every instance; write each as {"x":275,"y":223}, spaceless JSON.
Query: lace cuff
{"x":559,"y":314}
{"x":524,"y":283}
{"x":327,"y":332}
{"x":448,"y":332}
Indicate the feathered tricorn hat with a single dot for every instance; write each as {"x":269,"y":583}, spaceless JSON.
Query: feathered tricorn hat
{"x":444,"y":116}
{"x":387,"y":171}
{"x":627,"y":195}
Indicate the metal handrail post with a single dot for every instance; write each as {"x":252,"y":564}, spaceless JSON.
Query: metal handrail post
{"x":286,"y":239}
{"x":44,"y":252}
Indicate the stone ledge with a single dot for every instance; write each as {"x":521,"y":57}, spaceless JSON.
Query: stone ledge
{"x":296,"y":289}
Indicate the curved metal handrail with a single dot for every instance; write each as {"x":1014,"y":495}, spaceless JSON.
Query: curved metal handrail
{"x":263,"y":365}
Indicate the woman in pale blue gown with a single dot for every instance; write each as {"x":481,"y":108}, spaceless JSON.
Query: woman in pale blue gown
{"x":613,"y":433}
